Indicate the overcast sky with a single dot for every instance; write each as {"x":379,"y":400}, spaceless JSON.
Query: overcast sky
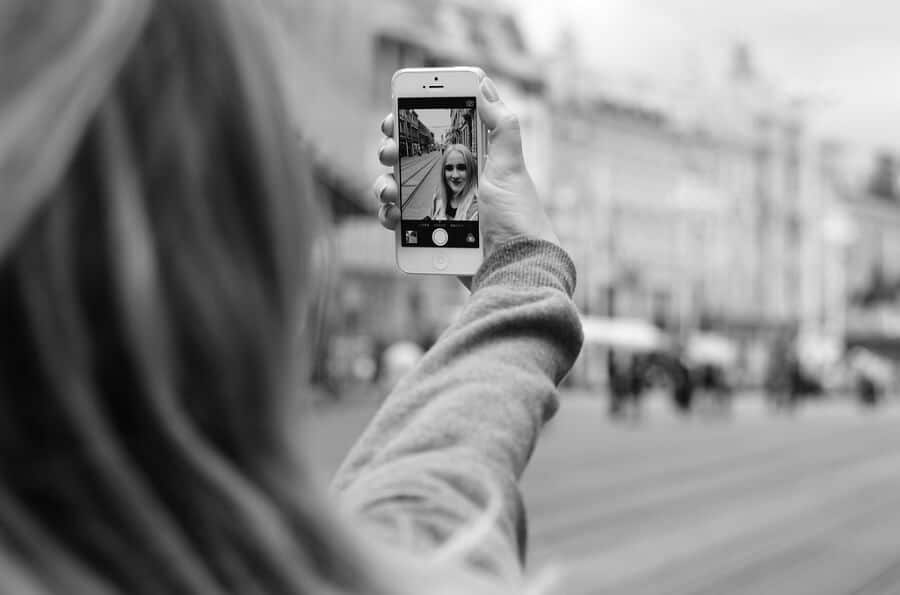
{"x":844,"y":53}
{"x":437,"y":120}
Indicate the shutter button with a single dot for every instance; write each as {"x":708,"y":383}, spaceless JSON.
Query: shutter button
{"x":439,"y":236}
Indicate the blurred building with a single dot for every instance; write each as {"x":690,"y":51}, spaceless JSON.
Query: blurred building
{"x":462,"y":129}
{"x":706,"y":203}
{"x":872,"y":264}
{"x":339,"y":56}
{"x":415,"y":137}
{"x":695,"y":205}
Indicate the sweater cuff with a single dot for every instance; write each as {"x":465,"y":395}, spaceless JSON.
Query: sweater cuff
{"x":527,"y":263}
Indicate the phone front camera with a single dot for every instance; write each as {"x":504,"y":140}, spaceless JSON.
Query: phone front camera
{"x":435,"y":78}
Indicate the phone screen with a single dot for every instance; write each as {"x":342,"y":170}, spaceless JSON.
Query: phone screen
{"x":438,"y":172}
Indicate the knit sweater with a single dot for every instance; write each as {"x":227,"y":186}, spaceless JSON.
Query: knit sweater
{"x":456,"y":433}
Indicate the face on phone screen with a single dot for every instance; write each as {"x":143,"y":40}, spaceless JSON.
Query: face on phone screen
{"x":438,"y":172}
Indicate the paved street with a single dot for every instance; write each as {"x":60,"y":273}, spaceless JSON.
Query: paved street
{"x":420,"y":177}
{"x":746,"y":503}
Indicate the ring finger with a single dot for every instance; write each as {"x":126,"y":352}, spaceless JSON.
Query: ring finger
{"x":385,"y":188}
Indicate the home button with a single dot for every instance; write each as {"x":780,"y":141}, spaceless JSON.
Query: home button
{"x":439,"y":236}
{"x":439,"y":262}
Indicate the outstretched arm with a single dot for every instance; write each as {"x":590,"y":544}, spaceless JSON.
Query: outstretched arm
{"x":448,"y":446}
{"x":460,"y":428}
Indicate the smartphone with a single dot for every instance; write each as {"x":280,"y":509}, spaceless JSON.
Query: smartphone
{"x":442,"y":144}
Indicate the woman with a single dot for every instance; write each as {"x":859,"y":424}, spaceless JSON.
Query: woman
{"x":159,"y":258}
{"x":455,"y":197}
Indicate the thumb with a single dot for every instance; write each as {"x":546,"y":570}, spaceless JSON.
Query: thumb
{"x":505,"y":134}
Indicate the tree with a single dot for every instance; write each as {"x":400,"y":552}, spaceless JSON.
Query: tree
{"x":883,"y":181}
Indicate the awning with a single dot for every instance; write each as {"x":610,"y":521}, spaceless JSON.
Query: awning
{"x":632,"y":334}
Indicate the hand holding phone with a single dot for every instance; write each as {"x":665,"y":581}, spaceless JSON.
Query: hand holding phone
{"x":440,"y":144}
{"x":508,"y":203}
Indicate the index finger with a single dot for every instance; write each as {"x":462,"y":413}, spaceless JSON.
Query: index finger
{"x":387,"y":125}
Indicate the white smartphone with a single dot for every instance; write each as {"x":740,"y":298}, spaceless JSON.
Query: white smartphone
{"x":442,"y":146}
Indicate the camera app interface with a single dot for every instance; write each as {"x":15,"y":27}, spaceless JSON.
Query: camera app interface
{"x":438,"y":172}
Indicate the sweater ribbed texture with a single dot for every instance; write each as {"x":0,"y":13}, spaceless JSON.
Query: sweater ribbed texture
{"x":456,"y":433}
{"x":527,"y":262}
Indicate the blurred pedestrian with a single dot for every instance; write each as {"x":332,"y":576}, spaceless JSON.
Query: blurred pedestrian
{"x":159,"y":262}
{"x":870,"y":375}
{"x":456,"y":196}
{"x":624,"y":380}
{"x":783,"y":376}
{"x":712,"y":382}
{"x":682,"y":381}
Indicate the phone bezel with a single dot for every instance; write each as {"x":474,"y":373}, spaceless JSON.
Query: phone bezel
{"x":457,"y":82}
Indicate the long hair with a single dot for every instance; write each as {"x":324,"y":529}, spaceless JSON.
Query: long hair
{"x":151,"y":315}
{"x":471,"y":169}
{"x":156,"y":292}
{"x":467,"y":195}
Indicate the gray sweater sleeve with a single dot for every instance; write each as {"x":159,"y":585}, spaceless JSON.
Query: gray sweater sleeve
{"x":456,"y":433}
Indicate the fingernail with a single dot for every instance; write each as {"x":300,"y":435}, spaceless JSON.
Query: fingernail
{"x":380,"y":151}
{"x":489,"y":90}
{"x":379,"y":189}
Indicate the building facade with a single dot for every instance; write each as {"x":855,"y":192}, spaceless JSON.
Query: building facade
{"x":339,"y":56}
{"x":462,"y":129}
{"x":415,"y":137}
{"x":706,"y":204}
{"x":696,"y":207}
{"x":872,"y":261}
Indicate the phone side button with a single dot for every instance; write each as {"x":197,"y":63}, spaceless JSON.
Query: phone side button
{"x":439,"y":262}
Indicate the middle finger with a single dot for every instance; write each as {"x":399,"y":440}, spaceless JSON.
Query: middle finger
{"x":388,"y":153}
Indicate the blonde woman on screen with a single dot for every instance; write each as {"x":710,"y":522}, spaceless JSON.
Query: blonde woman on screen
{"x":455,"y":197}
